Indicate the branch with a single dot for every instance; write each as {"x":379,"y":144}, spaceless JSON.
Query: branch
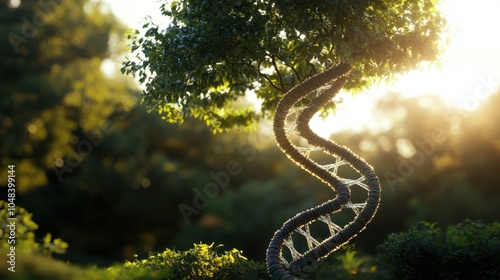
{"x":295,"y":72}
{"x":272,"y":84}
{"x":278,"y":72}
{"x":313,"y":68}
{"x":291,"y":67}
{"x":257,"y":70}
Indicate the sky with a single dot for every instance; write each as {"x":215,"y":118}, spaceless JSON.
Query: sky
{"x":470,"y":69}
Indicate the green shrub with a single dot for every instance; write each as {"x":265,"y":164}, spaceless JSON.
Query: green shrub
{"x":470,"y":250}
{"x":203,"y":262}
{"x":25,"y":239}
{"x":200,"y":262}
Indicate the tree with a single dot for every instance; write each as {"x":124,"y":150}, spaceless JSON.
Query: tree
{"x":213,"y":53}
{"x":55,"y":98}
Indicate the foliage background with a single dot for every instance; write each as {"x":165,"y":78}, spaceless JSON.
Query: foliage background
{"x":120,"y":195}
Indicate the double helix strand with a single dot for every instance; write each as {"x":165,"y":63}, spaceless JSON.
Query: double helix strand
{"x":278,"y":267}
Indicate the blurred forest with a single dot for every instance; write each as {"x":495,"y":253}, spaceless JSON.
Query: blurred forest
{"x":112,"y":180}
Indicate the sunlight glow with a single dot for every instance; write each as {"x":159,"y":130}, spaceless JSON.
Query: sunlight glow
{"x":471,"y":60}
{"x":135,"y":13}
{"x":470,"y":71}
{"x":14,"y":3}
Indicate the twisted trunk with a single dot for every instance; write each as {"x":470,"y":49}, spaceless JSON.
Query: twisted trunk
{"x":336,"y":75}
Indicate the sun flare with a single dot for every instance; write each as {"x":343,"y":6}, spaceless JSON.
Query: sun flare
{"x":471,"y":61}
{"x":469,"y":72}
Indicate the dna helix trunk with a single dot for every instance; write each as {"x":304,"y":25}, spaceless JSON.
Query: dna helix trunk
{"x":326,"y":85}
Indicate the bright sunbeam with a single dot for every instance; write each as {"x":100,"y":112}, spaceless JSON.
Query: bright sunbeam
{"x":471,"y":62}
{"x":470,"y":71}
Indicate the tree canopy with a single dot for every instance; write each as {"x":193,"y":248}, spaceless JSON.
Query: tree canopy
{"x":215,"y":52}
